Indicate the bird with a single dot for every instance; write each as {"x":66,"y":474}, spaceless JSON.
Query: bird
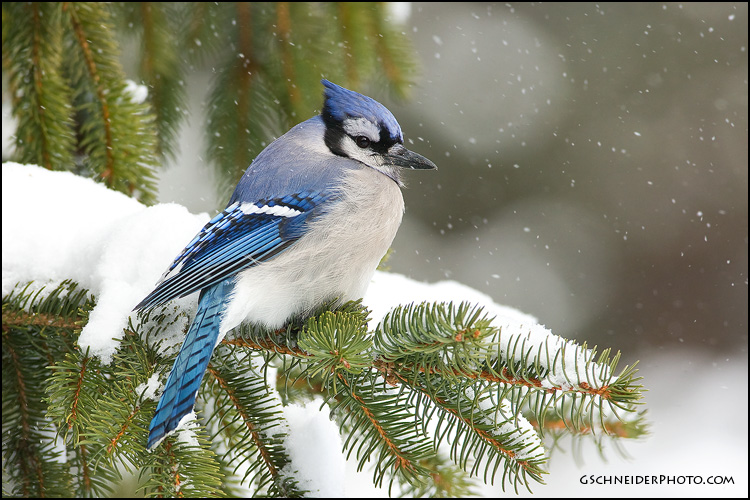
{"x":307,"y":224}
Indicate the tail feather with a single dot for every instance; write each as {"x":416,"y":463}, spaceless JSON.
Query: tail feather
{"x":179,"y":394}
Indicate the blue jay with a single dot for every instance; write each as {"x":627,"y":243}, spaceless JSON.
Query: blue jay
{"x":307,"y":224}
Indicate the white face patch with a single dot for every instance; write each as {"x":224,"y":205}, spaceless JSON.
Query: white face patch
{"x":354,"y":152}
{"x":278,"y":210}
{"x":366,"y":156}
{"x":360,"y":126}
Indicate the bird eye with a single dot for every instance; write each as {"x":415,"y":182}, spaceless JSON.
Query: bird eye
{"x":362,"y":141}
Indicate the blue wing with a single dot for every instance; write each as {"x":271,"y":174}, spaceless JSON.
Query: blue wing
{"x":241,"y":236}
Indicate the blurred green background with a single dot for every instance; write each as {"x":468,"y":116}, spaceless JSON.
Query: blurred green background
{"x":593,"y":172}
{"x":592,"y":165}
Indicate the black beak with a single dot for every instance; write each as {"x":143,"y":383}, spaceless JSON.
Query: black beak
{"x":399,"y":156}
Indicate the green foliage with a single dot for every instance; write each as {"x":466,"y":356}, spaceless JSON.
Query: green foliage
{"x":182,"y":468}
{"x":247,"y":423}
{"x":37,"y":330}
{"x":434,"y":339}
{"x":161,"y":65}
{"x":381,"y":429}
{"x":76,"y":112}
{"x":336,"y":341}
{"x":74,"y":108}
{"x":57,"y":399}
{"x":434,"y":397}
{"x":33,"y":56}
{"x":118,"y":139}
{"x":270,"y":58}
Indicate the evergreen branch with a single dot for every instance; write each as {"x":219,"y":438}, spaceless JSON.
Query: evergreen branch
{"x":577,"y":402}
{"x":266,"y":345}
{"x":488,"y":429}
{"x":382,"y":425}
{"x":381,"y":34}
{"x":107,"y":410}
{"x":117,"y":132}
{"x":430,"y":348}
{"x":454,"y":342}
{"x":30,"y":454}
{"x":200,"y":39}
{"x":445,"y":480}
{"x":65,"y":300}
{"x":346,"y":12}
{"x":285,"y":340}
{"x":336,"y":341}
{"x":394,"y":52}
{"x":20,"y":446}
{"x":117,"y":427}
{"x":88,"y":479}
{"x":32,"y":55}
{"x":630,"y":428}
{"x":22,"y":318}
{"x":605,"y":392}
{"x":284,"y":23}
{"x":248,"y":418}
{"x":238,"y":93}
{"x":161,"y":67}
{"x":459,"y":343}
{"x":88,"y":57}
{"x":74,"y":388}
{"x":477,"y":386}
{"x":182,"y":468}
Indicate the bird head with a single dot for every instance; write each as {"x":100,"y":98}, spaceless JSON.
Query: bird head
{"x":360,"y":128}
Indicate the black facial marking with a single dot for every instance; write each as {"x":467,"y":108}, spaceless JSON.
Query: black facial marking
{"x":335,"y":135}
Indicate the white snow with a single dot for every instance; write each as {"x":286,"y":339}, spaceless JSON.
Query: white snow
{"x":57,"y":226}
{"x":138,"y":93}
{"x":314,"y":446}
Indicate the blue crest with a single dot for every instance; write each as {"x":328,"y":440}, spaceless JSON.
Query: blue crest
{"x":341,"y":103}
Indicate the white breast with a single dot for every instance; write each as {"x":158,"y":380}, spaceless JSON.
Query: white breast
{"x":335,"y":259}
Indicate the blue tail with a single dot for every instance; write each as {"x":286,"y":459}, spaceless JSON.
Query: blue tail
{"x":178,"y":397}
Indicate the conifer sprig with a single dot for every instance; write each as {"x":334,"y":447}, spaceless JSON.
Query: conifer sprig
{"x":33,"y":53}
{"x":245,"y":414}
{"x":75,"y":110}
{"x":431,"y":377}
{"x":116,"y":127}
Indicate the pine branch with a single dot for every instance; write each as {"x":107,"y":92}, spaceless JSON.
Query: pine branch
{"x":382,"y":428}
{"x":31,"y":458}
{"x":250,"y":421}
{"x":73,"y":390}
{"x":269,"y":80}
{"x":334,"y":342}
{"x":117,"y":132}
{"x":439,"y":353}
{"x":446,"y":480}
{"x":481,"y":427}
{"x":185,"y":467}
{"x":32,"y":56}
{"x":285,"y":47}
{"x":461,"y":343}
{"x":393,"y":52}
{"x":430,"y":374}
{"x":161,"y":67}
